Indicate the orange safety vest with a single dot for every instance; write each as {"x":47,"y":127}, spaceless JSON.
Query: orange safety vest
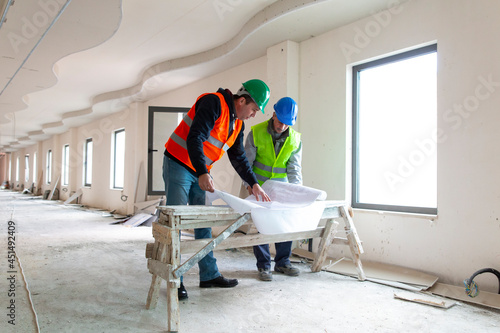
{"x":216,"y":144}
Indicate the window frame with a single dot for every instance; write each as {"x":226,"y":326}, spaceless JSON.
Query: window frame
{"x":18,"y":162}
{"x":65,"y":165}
{"x":26,"y":168}
{"x":355,"y":186}
{"x":87,"y":169}
{"x":34,"y":168}
{"x":114,"y":160}
{"x":48,"y":167}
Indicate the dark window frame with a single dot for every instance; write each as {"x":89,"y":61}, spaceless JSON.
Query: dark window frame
{"x":355,"y":133}
{"x":48,"y":167}
{"x":65,"y":166}
{"x":115,"y":133}
{"x":86,"y":160}
{"x":151,"y":150}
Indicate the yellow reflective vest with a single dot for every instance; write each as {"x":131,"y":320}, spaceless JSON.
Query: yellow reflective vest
{"x":267,"y":165}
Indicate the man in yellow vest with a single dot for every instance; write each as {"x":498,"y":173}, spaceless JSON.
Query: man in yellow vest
{"x":274,"y":150}
{"x":213,"y":126}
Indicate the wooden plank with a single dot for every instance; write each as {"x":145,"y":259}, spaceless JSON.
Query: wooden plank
{"x":137,"y":220}
{"x":210,"y":246}
{"x":239,"y":240}
{"x":324,"y":244}
{"x":162,"y":234}
{"x":201,"y":212}
{"x":141,"y":185}
{"x":352,"y":234}
{"x":424,"y":299}
{"x":303,"y":253}
{"x":159,"y":251}
{"x":156,"y":267}
{"x":149,"y":250}
{"x":154,"y":292}
{"x":187,"y":211}
{"x":191,"y":217}
{"x":75,"y":196}
{"x":331,"y":212}
{"x":205,"y":224}
{"x":174,"y":314}
{"x":386,"y":272}
{"x":168,"y":219}
{"x":173,"y":283}
{"x":53,"y":189}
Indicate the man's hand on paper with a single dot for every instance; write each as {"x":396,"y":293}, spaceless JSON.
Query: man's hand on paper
{"x":257,"y":191}
{"x":206,"y":182}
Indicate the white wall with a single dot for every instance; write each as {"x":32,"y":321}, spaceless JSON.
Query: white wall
{"x":464,"y":237}
{"x":100,"y":194}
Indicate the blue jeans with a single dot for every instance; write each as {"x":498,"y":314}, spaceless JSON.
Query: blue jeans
{"x":282,"y":258}
{"x":181,"y":188}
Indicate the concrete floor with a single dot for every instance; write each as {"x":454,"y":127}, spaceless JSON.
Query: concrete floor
{"x":86,"y":275}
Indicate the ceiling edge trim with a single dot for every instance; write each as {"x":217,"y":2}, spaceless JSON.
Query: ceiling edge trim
{"x":267,"y":15}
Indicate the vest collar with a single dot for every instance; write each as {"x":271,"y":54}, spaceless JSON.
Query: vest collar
{"x":228,"y":97}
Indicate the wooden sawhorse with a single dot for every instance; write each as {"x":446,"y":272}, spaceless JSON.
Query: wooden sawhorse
{"x":164,"y":254}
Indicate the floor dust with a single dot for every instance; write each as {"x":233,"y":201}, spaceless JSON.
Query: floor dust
{"x":86,"y":275}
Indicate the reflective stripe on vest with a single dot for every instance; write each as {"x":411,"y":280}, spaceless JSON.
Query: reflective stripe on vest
{"x":267,"y":165}
{"x":216,"y":144}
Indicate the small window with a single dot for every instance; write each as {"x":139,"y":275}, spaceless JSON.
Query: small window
{"x":48,"y":175}
{"x":10,"y":168}
{"x":87,"y":162}
{"x":17,"y":169}
{"x":34,"y":168}
{"x":26,"y":168}
{"x":65,"y":165}
{"x":395,"y":133}
{"x":118,"y":162}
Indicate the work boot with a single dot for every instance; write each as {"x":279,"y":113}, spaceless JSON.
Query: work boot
{"x":265,"y":274}
{"x":287,"y":270}
{"x":220,"y":282}
{"x":182,"y":293}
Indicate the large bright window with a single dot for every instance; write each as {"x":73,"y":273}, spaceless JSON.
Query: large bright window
{"x":65,"y":165}
{"x":394,"y":133}
{"x":118,"y":161}
{"x":48,"y":167}
{"x":26,"y":168}
{"x":87,"y":162}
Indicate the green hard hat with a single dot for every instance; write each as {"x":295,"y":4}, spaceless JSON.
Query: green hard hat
{"x":258,"y":90}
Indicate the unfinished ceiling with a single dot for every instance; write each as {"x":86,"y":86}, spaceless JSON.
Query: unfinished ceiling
{"x":66,"y":63}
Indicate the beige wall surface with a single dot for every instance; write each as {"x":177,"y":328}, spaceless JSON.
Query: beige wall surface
{"x":460,"y":240}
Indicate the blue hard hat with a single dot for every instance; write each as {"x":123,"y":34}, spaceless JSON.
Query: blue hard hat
{"x":286,"y":110}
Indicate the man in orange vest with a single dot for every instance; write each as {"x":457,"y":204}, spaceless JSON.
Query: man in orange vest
{"x":213,"y":126}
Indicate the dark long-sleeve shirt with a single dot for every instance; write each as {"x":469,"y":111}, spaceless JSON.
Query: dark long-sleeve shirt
{"x":208,"y":110}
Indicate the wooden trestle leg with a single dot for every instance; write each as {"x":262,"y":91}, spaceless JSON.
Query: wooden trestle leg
{"x":354,"y":242}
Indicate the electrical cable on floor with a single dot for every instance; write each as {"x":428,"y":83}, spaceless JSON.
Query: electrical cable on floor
{"x":28,"y":291}
{"x":471,"y":288}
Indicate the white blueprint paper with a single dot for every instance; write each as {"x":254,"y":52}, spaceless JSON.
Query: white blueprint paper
{"x":293,"y":208}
